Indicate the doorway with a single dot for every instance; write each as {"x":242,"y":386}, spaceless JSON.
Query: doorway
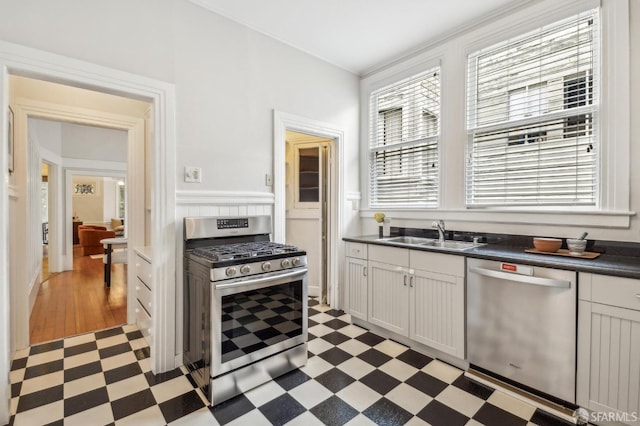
{"x":282,"y":123}
{"x":73,"y":139}
{"x":14,"y":254}
{"x":308,"y":173}
{"x":94,"y":164}
{"x":44,"y":209}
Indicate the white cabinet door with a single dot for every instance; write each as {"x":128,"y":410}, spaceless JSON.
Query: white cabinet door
{"x":608,"y":360}
{"x":437,"y":311}
{"x":389,"y":297}
{"x":357,"y":287}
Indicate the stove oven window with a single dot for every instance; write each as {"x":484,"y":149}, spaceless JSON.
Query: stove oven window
{"x":255,"y":319}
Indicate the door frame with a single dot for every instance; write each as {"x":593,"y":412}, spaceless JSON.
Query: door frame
{"x":281,"y":123}
{"x":29,"y":62}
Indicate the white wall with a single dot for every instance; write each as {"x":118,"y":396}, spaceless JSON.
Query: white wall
{"x":47,"y":134}
{"x":228,"y":81}
{"x":94,"y":143}
{"x":62,"y":143}
{"x":228,"y":78}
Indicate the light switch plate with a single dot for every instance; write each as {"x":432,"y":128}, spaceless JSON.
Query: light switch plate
{"x":192,"y":174}
{"x":268,"y":180}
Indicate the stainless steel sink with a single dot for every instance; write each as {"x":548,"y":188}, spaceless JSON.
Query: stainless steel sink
{"x":451,"y":245}
{"x":407,"y":240}
{"x":431,"y":242}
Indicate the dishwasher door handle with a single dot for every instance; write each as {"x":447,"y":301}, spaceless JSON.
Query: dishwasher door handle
{"x":526,"y":279}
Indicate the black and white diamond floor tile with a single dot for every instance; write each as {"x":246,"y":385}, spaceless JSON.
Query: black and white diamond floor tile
{"x":353,"y":377}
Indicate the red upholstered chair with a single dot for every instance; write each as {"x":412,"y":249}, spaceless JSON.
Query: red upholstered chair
{"x":90,"y":236}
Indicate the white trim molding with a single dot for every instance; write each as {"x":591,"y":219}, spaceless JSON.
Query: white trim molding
{"x":281,"y":123}
{"x":25,"y":61}
{"x":203,"y":198}
{"x":607,"y":220}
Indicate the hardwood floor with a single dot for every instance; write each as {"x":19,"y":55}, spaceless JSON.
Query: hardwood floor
{"x":74,"y":302}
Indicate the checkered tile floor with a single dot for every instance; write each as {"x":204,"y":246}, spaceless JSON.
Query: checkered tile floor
{"x":352,"y":377}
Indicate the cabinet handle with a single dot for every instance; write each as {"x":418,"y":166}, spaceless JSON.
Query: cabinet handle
{"x":364,"y":271}
{"x":411,"y":281}
{"x":405,"y":280}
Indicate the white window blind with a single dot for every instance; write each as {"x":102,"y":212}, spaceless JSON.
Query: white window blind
{"x":532,"y":108}
{"x":405,"y":130}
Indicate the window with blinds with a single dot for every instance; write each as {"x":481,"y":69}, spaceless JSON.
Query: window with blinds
{"x":532,"y":108}
{"x":405,"y":129}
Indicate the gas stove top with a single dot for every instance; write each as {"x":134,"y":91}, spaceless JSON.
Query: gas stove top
{"x":238,"y":247}
{"x":236,"y":260}
{"x":243,"y":251}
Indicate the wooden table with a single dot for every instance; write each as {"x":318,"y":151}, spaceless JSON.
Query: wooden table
{"x":109,"y":244}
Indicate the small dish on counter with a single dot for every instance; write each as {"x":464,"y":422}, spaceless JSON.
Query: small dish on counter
{"x":547,"y":245}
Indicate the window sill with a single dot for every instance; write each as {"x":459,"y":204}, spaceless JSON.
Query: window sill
{"x":573,"y":218}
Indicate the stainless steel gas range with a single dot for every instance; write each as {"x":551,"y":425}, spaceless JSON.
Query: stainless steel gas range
{"x":245,"y":305}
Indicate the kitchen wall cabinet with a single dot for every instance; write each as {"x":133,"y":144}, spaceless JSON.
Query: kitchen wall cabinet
{"x":608,"y":378}
{"x":413,"y":293}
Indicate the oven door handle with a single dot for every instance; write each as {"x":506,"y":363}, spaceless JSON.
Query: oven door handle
{"x":261,"y":280}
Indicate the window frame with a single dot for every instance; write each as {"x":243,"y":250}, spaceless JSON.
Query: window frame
{"x":561,"y":171}
{"x":451,"y":52}
{"x":417,"y":141}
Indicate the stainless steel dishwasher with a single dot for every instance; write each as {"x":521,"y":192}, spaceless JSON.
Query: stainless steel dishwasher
{"x":521,"y":325}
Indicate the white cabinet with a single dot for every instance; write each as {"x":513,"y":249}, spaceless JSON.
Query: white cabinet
{"x":608,"y":378}
{"x":389,"y":288}
{"x":357,"y":287}
{"x":389,"y":297}
{"x":144,"y":286}
{"x":437,"y":301}
{"x":357,"y":282}
{"x":413,"y":293}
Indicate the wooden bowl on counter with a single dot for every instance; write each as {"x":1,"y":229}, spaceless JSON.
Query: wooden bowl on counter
{"x":549,"y":245}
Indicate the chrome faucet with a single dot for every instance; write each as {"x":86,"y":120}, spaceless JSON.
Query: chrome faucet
{"x":440,"y":225}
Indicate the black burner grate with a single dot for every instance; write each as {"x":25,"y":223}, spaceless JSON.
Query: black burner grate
{"x":243,"y":250}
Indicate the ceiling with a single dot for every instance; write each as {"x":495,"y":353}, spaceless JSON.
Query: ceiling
{"x":358,"y":35}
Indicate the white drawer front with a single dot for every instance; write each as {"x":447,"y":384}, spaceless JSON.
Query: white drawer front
{"x":358,"y":250}
{"x":616,"y":291}
{"x":143,"y":294}
{"x":144,"y":322}
{"x":449,"y":264}
{"x":389,"y":255}
{"x":143,"y":270}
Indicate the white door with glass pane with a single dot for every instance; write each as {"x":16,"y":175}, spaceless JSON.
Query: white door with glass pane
{"x":306,"y":218}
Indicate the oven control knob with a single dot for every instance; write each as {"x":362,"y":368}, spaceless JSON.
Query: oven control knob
{"x":296,"y":261}
{"x":266,"y":266}
{"x":245,"y":269}
{"x":231,"y":271}
{"x":285,"y":263}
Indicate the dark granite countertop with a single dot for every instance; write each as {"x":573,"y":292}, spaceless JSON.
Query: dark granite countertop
{"x":620,"y":260}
